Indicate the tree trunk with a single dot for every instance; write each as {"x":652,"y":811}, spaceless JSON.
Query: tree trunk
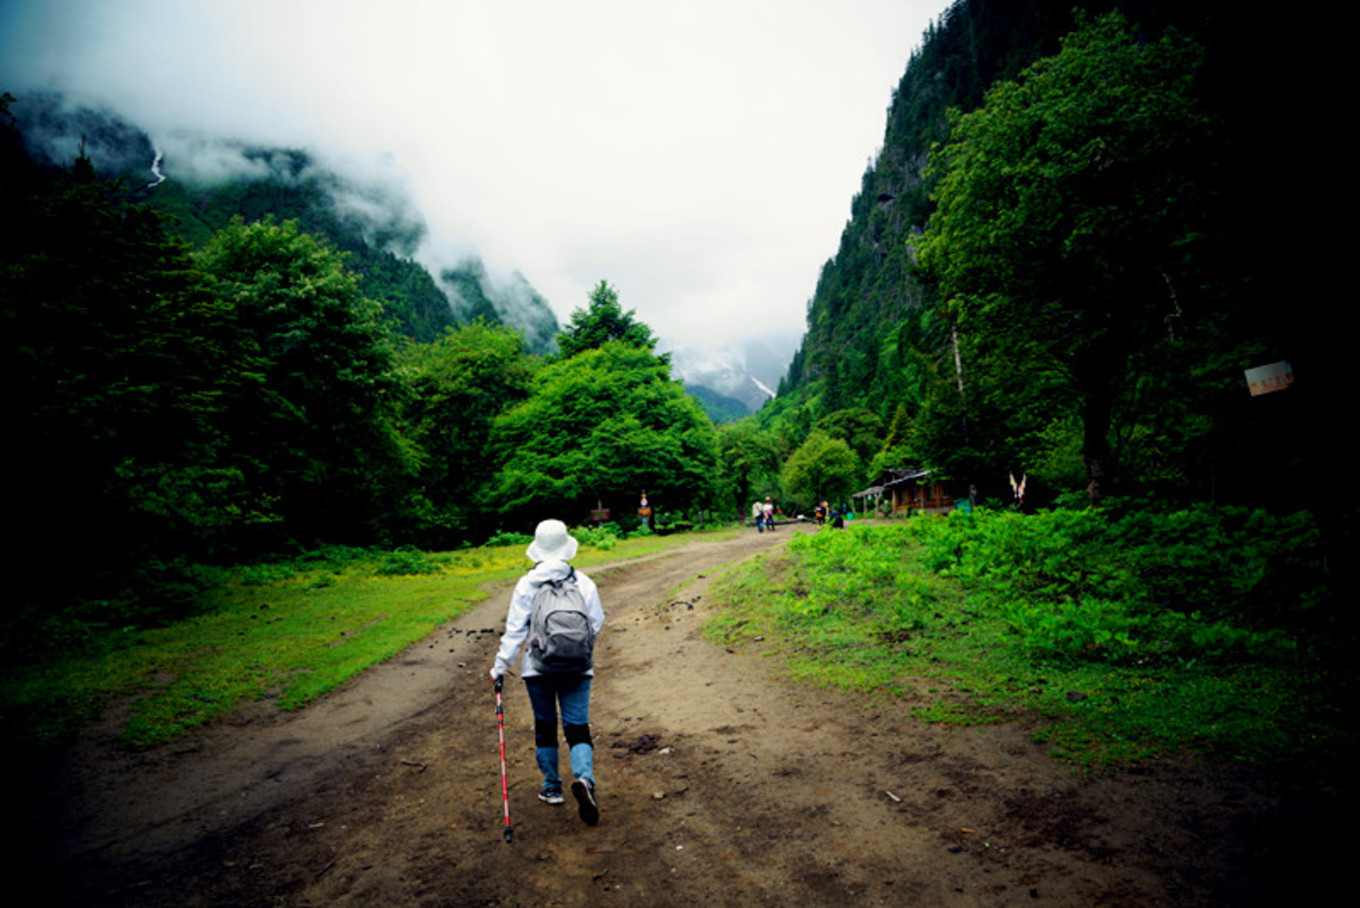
{"x":1096,"y":453}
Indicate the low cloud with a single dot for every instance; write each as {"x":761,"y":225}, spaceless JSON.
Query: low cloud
{"x":701,"y":158}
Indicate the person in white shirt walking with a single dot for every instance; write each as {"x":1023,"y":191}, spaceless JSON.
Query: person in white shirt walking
{"x":558,"y":610}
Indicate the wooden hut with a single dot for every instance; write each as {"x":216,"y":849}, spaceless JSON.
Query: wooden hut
{"x":907,"y":490}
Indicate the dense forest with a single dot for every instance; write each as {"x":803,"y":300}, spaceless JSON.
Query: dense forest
{"x":1058,"y":266}
{"x":1050,"y":271}
{"x":183,"y":404}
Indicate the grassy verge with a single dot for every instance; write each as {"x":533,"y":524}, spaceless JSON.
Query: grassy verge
{"x":874,"y":609}
{"x":285,"y":632}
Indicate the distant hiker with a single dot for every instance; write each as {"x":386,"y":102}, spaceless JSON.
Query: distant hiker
{"x":758,"y":514}
{"x":769,"y":514}
{"x":558,"y":609}
{"x":820,"y":513}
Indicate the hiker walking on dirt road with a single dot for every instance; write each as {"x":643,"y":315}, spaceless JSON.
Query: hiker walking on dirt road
{"x":558,"y":610}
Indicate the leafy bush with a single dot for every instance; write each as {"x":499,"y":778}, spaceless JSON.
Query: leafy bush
{"x":264,"y":573}
{"x":857,"y":586}
{"x":335,"y":556}
{"x":1126,"y":584}
{"x":406,"y":562}
{"x":503,"y":538}
{"x":1064,"y":616}
{"x":150,"y":593}
{"x":603,"y":537}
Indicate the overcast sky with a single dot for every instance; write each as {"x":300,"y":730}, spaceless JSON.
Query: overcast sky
{"x":700,"y":156}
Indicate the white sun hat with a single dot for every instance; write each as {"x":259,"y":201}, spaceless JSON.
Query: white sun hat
{"x":551,"y":542}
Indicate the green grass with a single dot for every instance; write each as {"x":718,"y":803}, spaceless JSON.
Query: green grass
{"x":862,"y":610}
{"x":281,"y":632}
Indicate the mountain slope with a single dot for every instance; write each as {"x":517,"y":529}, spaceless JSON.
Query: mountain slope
{"x":866,"y":333}
{"x":205,"y":182}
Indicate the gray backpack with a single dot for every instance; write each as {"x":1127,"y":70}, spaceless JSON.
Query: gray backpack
{"x":561,"y":640}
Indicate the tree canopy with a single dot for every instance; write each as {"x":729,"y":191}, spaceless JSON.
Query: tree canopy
{"x":824,"y":468}
{"x":112,"y":357}
{"x":751,"y":460}
{"x":457,"y":387}
{"x":603,"y":425}
{"x":603,"y":320}
{"x":858,"y":427}
{"x":313,"y":421}
{"x":1069,"y":216}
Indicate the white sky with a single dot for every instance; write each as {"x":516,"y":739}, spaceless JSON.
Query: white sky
{"x":700,"y":156}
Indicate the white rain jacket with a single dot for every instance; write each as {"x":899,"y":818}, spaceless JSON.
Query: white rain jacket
{"x":521,"y":609}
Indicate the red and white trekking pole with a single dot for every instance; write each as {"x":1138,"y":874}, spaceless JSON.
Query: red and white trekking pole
{"x":505,"y":781}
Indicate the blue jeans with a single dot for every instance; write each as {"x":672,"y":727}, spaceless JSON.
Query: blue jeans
{"x":572,"y":692}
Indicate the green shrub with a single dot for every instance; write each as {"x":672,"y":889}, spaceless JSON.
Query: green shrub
{"x":1124,"y":584}
{"x":1080,"y":618}
{"x":603,"y":537}
{"x":503,"y":539}
{"x":407,"y":562}
{"x":265,"y":573}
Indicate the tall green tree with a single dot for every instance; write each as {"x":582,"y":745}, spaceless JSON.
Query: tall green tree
{"x":604,"y":425}
{"x":603,"y":320}
{"x":1069,"y":216}
{"x":824,"y":468}
{"x":113,"y":357}
{"x":858,"y":427}
{"x":750,"y":459}
{"x":458,"y":385}
{"x":314,"y":422}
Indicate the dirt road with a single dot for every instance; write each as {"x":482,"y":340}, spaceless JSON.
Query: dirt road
{"x":720,"y":784}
